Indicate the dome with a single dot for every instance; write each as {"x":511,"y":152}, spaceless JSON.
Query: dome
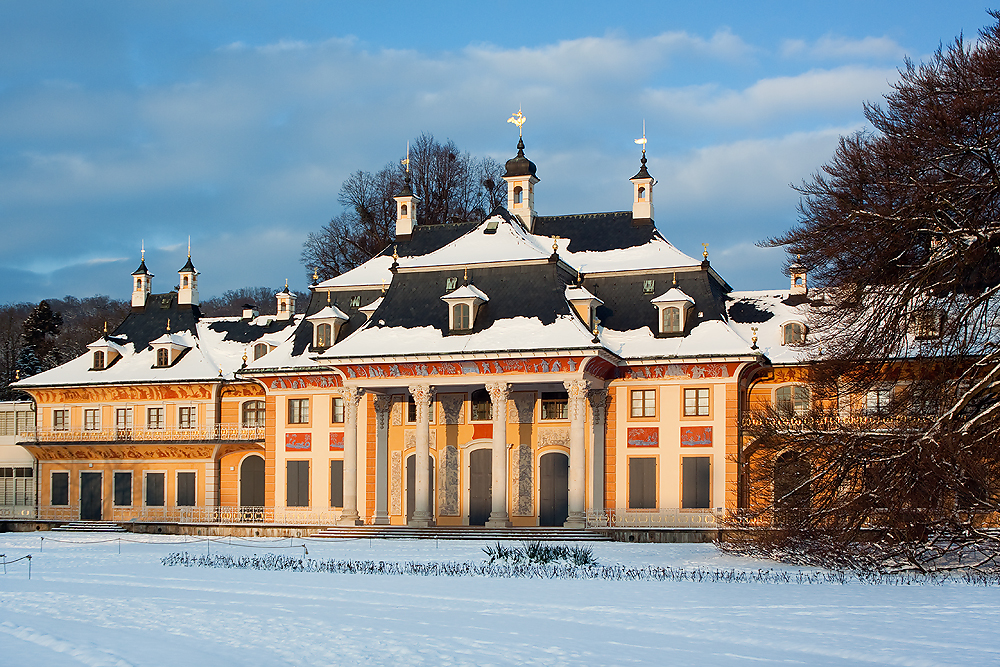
{"x":520,"y":165}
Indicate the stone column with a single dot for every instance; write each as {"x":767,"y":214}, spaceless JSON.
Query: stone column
{"x":577,"y":454}
{"x":383,"y":406}
{"x":352,"y":396}
{"x":598,"y":399}
{"x":499,"y":517}
{"x":422,"y":395}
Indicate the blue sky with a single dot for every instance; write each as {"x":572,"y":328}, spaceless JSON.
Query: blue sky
{"x":236,"y":122}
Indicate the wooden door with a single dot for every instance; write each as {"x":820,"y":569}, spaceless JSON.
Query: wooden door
{"x":480,"y":486}
{"x":90,"y":496}
{"x":553,"y":491}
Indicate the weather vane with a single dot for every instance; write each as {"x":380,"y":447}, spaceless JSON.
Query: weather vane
{"x":406,"y":162}
{"x":189,"y":246}
{"x":643,"y":140}
{"x":518,"y":119}
{"x":143,"y":251}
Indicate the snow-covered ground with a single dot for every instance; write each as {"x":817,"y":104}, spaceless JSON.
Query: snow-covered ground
{"x":86,"y":604}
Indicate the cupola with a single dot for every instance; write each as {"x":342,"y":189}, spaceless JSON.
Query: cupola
{"x":326,"y":324}
{"x":674,"y":308}
{"x":642,"y":189}
{"x":406,"y":204}
{"x":463,"y":306}
{"x":584,"y":303}
{"x":142,"y":283}
{"x":798,"y":275}
{"x":286,"y":303}
{"x":187,"y":292}
{"x":521,"y":179}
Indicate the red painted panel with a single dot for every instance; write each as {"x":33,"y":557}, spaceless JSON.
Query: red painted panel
{"x":480,"y":431}
{"x":692,"y":371}
{"x":644,"y":437}
{"x":302,"y":381}
{"x":298,"y":442}
{"x":337,"y":441}
{"x":696,"y":436}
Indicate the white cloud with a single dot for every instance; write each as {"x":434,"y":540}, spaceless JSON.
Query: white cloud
{"x":842,"y":48}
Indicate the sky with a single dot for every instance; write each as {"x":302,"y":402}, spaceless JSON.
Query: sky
{"x":234,"y":123}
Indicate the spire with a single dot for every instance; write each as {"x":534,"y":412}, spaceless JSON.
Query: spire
{"x":642,"y":187}
{"x":187,"y":294}
{"x":521,"y":179}
{"x":142,"y":281}
{"x":406,"y":202}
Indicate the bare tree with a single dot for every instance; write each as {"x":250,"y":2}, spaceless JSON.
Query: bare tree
{"x":901,"y":233}
{"x":452,"y":186}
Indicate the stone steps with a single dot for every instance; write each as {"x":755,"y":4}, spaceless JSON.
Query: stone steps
{"x":463,"y":533}
{"x":90,"y":527}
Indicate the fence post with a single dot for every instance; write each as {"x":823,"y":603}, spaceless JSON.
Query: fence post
{"x":29,"y":567}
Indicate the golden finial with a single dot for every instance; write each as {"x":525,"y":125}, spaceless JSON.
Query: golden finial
{"x":189,"y":246}
{"x":105,"y":327}
{"x":555,"y":244}
{"x":17,"y":373}
{"x":286,"y":283}
{"x":328,"y":297}
{"x":142,"y":253}
{"x":705,"y":252}
{"x":244,"y":357}
{"x":754,"y":339}
{"x":168,"y":325}
{"x":406,"y":162}
{"x":315,"y":274}
{"x":395,"y":254}
{"x":675,"y":279}
{"x":383,"y":287}
{"x":220,"y":369}
{"x":518,"y":119}
{"x":465,"y":278}
{"x":643,"y":140}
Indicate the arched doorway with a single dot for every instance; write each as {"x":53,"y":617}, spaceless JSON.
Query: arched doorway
{"x":480,"y":486}
{"x":553,"y":489}
{"x":252,"y":482}
{"x":411,"y":485}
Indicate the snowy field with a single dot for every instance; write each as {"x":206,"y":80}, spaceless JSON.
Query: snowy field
{"x":87,"y":604}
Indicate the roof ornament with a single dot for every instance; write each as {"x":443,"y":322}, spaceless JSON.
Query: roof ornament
{"x":315,"y":275}
{"x":596,"y":338}
{"x":142,"y":252}
{"x":105,"y":327}
{"x":244,"y":359}
{"x":406,"y":162}
{"x":518,"y":119}
{"x":754,"y":339}
{"x":189,"y":246}
{"x":168,"y":325}
{"x":643,"y":141}
{"x":220,"y":370}
{"x":383,"y":287}
{"x":675,"y":279}
{"x":705,"y":252}
{"x":328,"y":297}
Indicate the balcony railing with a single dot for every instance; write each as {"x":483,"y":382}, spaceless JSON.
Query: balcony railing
{"x":218,"y":515}
{"x":213,"y":432}
{"x":831,"y":422}
{"x":659,"y":518}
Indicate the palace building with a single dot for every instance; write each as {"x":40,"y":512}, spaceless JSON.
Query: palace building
{"x":523,"y":370}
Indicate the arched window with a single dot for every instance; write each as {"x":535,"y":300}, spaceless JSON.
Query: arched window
{"x":461,"y":317}
{"x":163,"y":357}
{"x":281,"y":307}
{"x":402,"y":209}
{"x":671,"y":320}
{"x":98,"y":360}
{"x":323,"y":333}
{"x":138,"y":283}
{"x":792,"y":400}
{"x":793,"y":333}
{"x":482,"y":407}
{"x":253,"y":413}
{"x":518,"y":195}
{"x":642,"y":194}
{"x":259,"y":350}
{"x":185,"y":281}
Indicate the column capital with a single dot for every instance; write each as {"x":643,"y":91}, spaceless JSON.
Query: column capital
{"x":383,"y":406}
{"x":598,"y":404}
{"x":577,"y":388}
{"x":350,"y":394}
{"x":422,"y":395}
{"x":499,"y":391}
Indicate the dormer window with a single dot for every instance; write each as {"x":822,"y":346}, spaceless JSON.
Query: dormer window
{"x":356,"y":301}
{"x":793,"y":333}
{"x":98,"y":360}
{"x":925,"y":323}
{"x":463,"y":304}
{"x":326,"y":325}
{"x":163,"y":357}
{"x":259,"y":350}
{"x":169,"y":348}
{"x":584,"y":303}
{"x":105,"y":352}
{"x":674,"y":310}
{"x":323,"y":332}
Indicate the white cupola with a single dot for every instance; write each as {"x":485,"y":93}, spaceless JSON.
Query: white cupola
{"x":798,"y":276}
{"x":584,"y":303}
{"x":674,"y":308}
{"x":286,"y":304}
{"x":463,"y":306}
{"x":142,"y":283}
{"x":187,"y":286}
{"x":406,"y":204}
{"x":521,"y":179}
{"x":642,"y":190}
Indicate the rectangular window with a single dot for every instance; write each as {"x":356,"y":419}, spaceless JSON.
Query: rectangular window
{"x":411,"y":411}
{"x":298,"y":411}
{"x":696,"y":402}
{"x":878,"y":399}
{"x":337,"y":410}
{"x":7,"y":423}
{"x":185,"y":489}
{"x":26,"y":422}
{"x":91,"y":419}
{"x":60,"y":488}
{"x":297,"y":484}
{"x":123,"y":419}
{"x":17,"y":486}
{"x":336,"y":483}
{"x":187,"y":417}
{"x":123,"y":489}
{"x":642,"y":483}
{"x":696,"y":478}
{"x":154,"y":489}
{"x":555,"y":405}
{"x":154,"y":418}
{"x":644,"y":403}
{"x":60,"y":420}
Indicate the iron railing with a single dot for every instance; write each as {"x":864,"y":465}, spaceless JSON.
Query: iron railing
{"x":658,"y":518}
{"x":211,"y":432}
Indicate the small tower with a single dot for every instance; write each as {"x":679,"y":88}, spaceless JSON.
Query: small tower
{"x":406,"y":204}
{"x":187,"y":293}
{"x":521,"y":179}
{"x":798,"y":275}
{"x":142,"y":283}
{"x":286,"y":303}
{"x":642,"y":188}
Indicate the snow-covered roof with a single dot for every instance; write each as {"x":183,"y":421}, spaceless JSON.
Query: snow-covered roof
{"x":579,"y":293}
{"x":510,"y":242}
{"x":106,"y":343}
{"x":657,"y":254}
{"x":373,"y":273}
{"x":371,"y":307}
{"x":177,"y":339}
{"x":710,"y":338}
{"x":672,"y":295}
{"x":330,"y":312}
{"x":466,"y":292}
{"x":767,"y":311}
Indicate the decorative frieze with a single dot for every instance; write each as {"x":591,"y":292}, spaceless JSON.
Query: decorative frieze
{"x":548,"y":437}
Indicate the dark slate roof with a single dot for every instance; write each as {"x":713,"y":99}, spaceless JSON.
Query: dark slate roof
{"x":642,"y":170}
{"x":142,"y":270}
{"x":244,"y":331}
{"x":596,"y":231}
{"x":341,"y":298}
{"x":536,"y":290}
{"x":407,"y":190}
{"x":147,"y":325}
{"x":520,"y":165}
{"x":428,"y":238}
{"x":187,"y":267}
{"x":746,"y":311}
{"x":628,"y":307}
